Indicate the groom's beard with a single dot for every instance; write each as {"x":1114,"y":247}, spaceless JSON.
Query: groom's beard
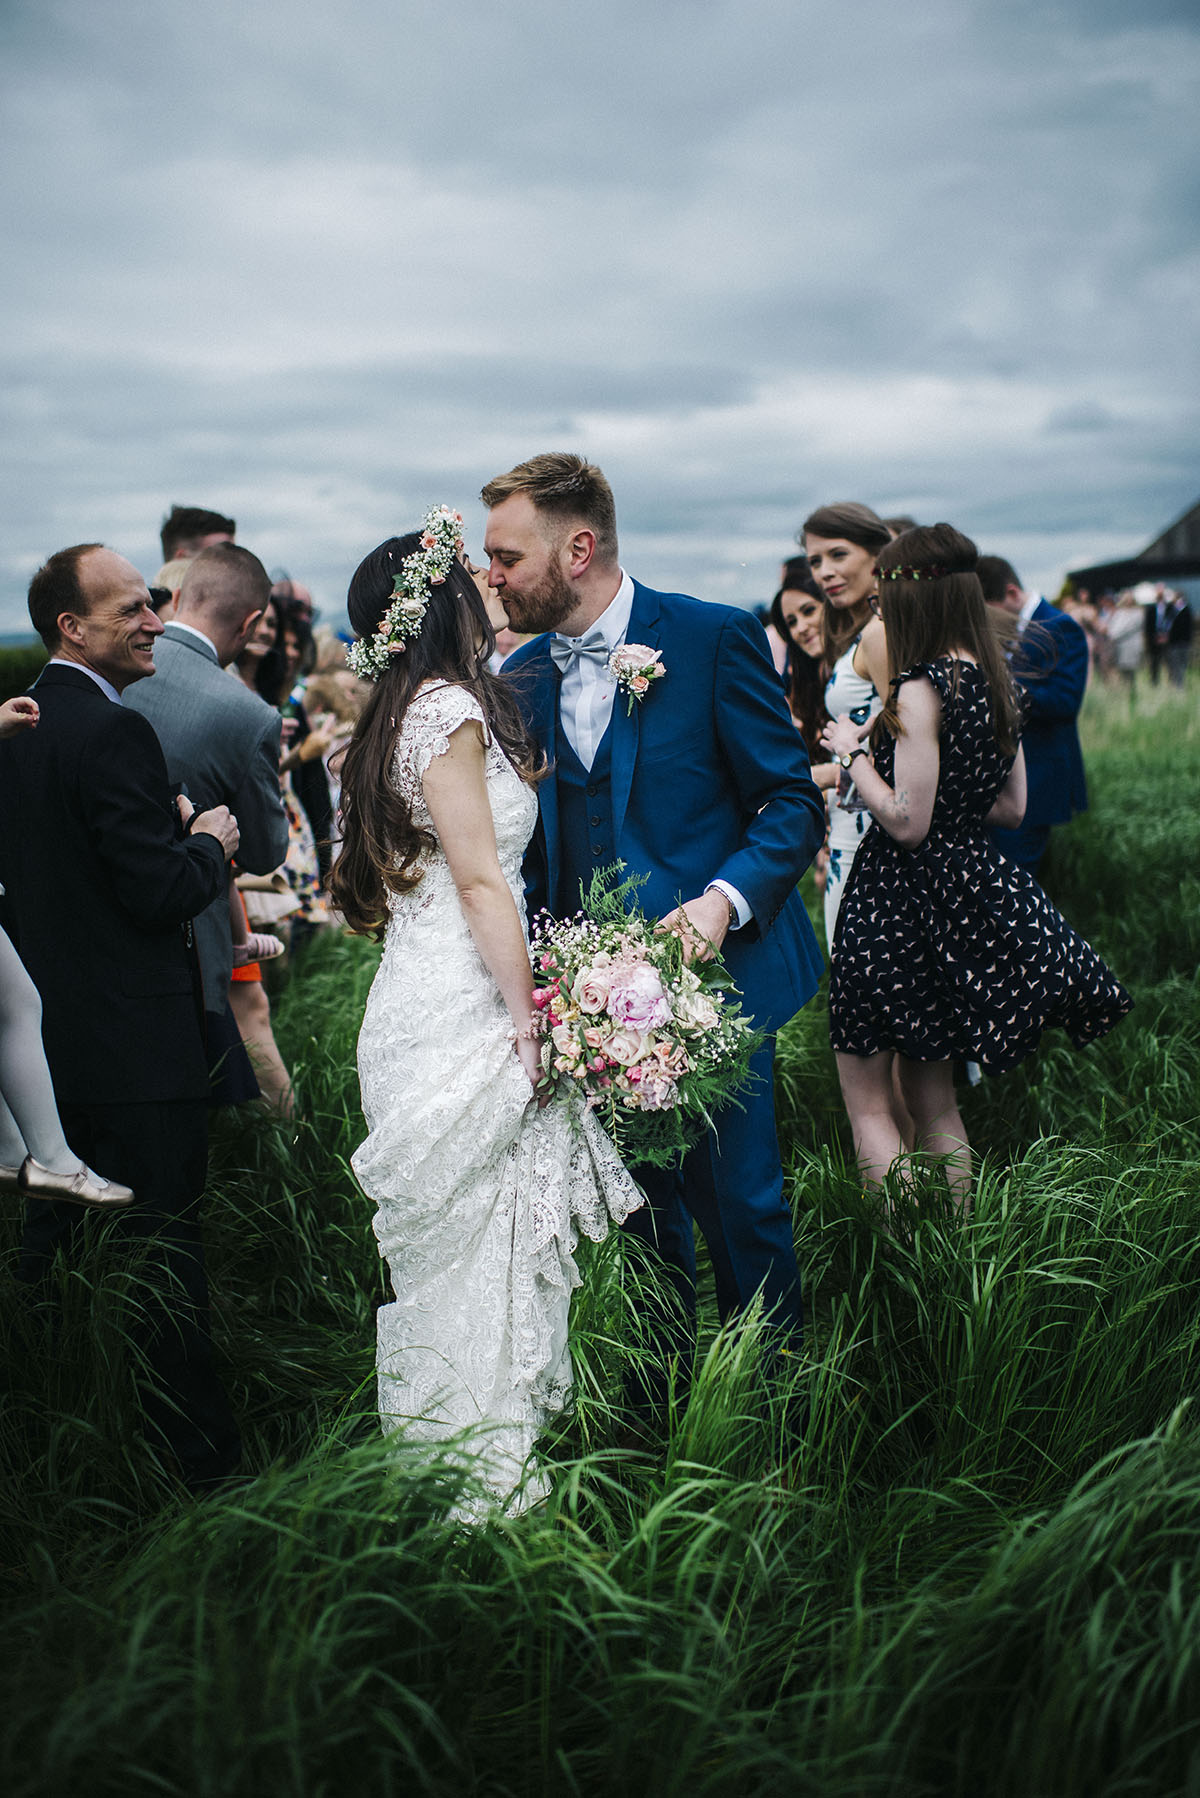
{"x":540,"y":608}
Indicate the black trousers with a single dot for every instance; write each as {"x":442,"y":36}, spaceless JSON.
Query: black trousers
{"x":161,"y":1150}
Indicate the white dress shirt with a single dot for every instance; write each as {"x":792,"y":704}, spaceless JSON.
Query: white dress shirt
{"x":586,"y":690}
{"x":585,"y":702}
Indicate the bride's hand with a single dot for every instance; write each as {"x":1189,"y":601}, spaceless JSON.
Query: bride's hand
{"x":529,"y":1054}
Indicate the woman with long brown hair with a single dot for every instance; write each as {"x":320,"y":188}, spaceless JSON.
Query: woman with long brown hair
{"x":797,"y":615}
{"x":944,"y":947}
{"x":841,"y":542}
{"x":479,"y":1192}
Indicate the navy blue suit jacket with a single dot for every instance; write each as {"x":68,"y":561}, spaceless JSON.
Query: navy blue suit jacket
{"x":710,"y":780}
{"x":1050,"y":665}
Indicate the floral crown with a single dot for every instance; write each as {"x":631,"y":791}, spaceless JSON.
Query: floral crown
{"x":933,"y":571}
{"x":427,"y":566}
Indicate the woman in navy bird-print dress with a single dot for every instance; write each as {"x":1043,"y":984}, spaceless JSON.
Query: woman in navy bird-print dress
{"x":945,"y":948}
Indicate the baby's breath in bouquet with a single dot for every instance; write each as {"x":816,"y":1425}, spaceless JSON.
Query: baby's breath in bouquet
{"x":654,"y":1042}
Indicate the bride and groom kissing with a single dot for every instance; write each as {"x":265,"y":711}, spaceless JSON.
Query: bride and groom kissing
{"x":496,"y":795}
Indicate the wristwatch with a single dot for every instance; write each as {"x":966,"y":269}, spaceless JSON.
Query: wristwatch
{"x":846,"y":760}
{"x":733,"y":917}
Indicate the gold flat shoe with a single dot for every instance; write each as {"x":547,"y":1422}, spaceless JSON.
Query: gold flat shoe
{"x":10,"y":1179}
{"x":80,"y":1188}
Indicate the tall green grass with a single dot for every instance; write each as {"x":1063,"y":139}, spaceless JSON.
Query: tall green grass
{"x":976,"y":1573}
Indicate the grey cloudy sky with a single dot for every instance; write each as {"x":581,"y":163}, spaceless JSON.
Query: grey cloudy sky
{"x":322,"y":266}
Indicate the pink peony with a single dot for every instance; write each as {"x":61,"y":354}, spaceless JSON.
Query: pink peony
{"x":636,"y":998}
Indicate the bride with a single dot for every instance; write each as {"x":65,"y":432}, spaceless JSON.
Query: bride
{"x":479,"y":1190}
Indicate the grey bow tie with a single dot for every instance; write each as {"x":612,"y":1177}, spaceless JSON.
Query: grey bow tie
{"x":590,"y":648}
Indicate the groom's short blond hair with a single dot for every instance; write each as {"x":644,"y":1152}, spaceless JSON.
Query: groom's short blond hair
{"x":567,"y":488}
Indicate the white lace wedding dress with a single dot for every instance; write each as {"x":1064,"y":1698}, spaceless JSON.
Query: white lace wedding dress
{"x":479,"y":1194}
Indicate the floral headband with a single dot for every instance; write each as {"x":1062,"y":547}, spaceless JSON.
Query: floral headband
{"x":935,"y":571}
{"x":427,"y":567}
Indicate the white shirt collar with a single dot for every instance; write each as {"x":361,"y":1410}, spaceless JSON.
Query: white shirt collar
{"x":105,"y":686}
{"x":1032,"y":602}
{"x":207,"y":641}
{"x":613,"y":622}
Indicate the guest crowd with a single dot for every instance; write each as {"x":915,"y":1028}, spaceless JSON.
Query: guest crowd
{"x":164,"y":840}
{"x":160,"y":840}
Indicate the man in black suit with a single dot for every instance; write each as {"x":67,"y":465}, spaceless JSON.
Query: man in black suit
{"x":103,"y":874}
{"x":1168,"y":626}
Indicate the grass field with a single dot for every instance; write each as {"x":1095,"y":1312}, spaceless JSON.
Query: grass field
{"x":980,"y":1574}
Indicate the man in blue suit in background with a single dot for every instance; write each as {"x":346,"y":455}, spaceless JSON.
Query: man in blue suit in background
{"x":702,"y":785}
{"x":1049,"y":661}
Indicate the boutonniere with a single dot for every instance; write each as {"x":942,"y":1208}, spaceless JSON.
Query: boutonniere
{"x":633,"y":667}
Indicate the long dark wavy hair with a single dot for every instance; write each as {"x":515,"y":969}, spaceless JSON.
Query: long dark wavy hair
{"x":269,"y":671}
{"x":806,"y":675}
{"x":928,"y":617}
{"x":852,"y":522}
{"x":381,"y":844}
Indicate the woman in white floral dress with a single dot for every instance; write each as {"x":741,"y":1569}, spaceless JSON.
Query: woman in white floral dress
{"x":480,"y":1191}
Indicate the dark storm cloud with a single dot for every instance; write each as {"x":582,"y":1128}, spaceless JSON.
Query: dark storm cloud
{"x":320,"y":266}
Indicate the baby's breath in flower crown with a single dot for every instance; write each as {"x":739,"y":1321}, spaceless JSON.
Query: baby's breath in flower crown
{"x":441,"y":542}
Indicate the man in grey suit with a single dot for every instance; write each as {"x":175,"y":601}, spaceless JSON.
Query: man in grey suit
{"x":222,"y":742}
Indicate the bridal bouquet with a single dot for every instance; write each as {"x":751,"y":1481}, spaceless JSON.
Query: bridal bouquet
{"x":654,"y":1043}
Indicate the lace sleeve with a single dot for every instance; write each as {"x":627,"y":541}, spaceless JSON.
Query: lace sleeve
{"x":431,"y":720}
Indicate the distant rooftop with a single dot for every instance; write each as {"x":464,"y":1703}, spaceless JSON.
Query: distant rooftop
{"x":1175,"y":555}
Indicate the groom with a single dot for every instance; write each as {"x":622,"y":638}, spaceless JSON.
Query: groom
{"x":703,"y":786}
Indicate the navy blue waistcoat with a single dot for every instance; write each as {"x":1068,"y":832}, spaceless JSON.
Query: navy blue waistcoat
{"x":585,"y":820}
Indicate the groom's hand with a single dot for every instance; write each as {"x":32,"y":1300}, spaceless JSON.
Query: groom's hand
{"x":701,"y":924}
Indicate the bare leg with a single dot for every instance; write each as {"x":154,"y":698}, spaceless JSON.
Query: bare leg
{"x":867,"y":1090}
{"x":929,"y":1089}
{"x":900,"y":1111}
{"x":239,"y":928}
{"x":252,"y":1009}
{"x":29,"y":1121}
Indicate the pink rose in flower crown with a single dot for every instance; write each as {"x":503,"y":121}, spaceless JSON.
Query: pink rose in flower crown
{"x":636,"y":998}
